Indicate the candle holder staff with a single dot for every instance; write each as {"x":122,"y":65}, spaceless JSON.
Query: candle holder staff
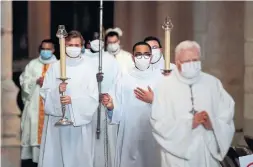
{"x":61,"y":34}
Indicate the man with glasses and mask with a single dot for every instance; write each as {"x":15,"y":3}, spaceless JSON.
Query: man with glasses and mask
{"x":31,"y":80}
{"x":130,"y":107}
{"x":71,"y":145}
{"x":123,"y":57}
{"x":157,"y":62}
{"x":192,"y":114}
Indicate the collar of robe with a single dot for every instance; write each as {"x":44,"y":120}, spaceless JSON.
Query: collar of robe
{"x":141,"y":74}
{"x":74,"y":61}
{"x":48,"y":61}
{"x":186,"y":80}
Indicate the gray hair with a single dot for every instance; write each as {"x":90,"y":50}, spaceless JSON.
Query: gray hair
{"x":186,"y":45}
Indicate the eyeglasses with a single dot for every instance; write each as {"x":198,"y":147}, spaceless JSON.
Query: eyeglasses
{"x":145,"y":55}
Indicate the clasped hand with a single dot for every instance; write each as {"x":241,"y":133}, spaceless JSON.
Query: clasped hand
{"x":202,"y":118}
{"x":40,"y":81}
{"x":107,"y":101}
{"x":64,"y":99}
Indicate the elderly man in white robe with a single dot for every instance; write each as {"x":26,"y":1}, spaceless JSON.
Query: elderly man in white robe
{"x":192,"y":114}
{"x":111,"y":73}
{"x":69,"y":146}
{"x":31,"y":80}
{"x":124,"y":58}
{"x":130,"y":107}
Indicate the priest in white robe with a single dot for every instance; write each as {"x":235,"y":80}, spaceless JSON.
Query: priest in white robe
{"x":32,"y":119}
{"x":111,"y":73}
{"x":130,"y":107}
{"x":157,"y":62}
{"x":124,"y":58}
{"x":69,"y":146}
{"x":192,"y":114}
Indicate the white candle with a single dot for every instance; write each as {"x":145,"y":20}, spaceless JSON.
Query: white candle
{"x":167,"y":50}
{"x":62,"y":57}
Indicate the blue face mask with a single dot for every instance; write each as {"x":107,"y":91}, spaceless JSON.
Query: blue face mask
{"x":46,"y":54}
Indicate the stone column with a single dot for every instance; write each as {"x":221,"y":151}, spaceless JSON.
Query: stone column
{"x":39,"y":18}
{"x":10,"y":122}
{"x":137,"y":20}
{"x":248,"y":77}
{"x":181,"y":15}
{"x":220,"y":34}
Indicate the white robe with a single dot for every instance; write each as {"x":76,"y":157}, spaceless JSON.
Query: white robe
{"x":69,"y":146}
{"x":30,"y":116}
{"x":171,"y":120}
{"x":125,"y":61}
{"x":136,"y":147}
{"x":112,"y":73}
{"x":160,"y":65}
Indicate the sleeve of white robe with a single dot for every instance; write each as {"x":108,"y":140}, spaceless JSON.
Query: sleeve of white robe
{"x":219,"y":140}
{"x":173,"y":135}
{"x":50,"y":94}
{"x":27,"y":82}
{"x":116,"y":95}
{"x":84,"y":107}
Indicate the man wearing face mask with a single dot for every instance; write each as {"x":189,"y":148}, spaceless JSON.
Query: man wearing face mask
{"x":72,"y":145}
{"x":130,"y":107}
{"x":192,"y":114}
{"x":113,"y":47}
{"x":157,"y":62}
{"x":31,"y":80}
{"x":111,"y":73}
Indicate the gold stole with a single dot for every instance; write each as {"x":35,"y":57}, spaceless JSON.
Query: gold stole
{"x":41,"y":108}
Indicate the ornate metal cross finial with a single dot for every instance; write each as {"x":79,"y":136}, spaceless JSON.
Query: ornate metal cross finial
{"x":61,"y":33}
{"x":167,"y":25}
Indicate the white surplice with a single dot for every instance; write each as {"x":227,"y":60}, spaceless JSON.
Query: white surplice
{"x":171,"y":120}
{"x":125,"y":61}
{"x":136,"y":147}
{"x":69,"y":146}
{"x":30,"y":115}
{"x":112,"y":73}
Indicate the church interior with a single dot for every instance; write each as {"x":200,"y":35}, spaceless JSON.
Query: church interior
{"x":223,"y":29}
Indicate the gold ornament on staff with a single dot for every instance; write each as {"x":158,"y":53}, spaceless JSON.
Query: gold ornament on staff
{"x":167,"y":26}
{"x":61,"y":34}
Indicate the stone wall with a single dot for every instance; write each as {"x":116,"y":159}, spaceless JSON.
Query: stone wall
{"x":10,"y":122}
{"x":248,"y":77}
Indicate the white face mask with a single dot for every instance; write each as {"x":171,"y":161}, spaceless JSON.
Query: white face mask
{"x":113,"y":47}
{"x":156,"y":55}
{"x":142,"y":63}
{"x":73,"y":51}
{"x":191,"y":70}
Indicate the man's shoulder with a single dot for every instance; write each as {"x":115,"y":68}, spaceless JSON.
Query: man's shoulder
{"x":126,"y":52}
{"x":208,"y":78}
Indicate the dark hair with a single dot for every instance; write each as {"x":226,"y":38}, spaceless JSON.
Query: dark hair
{"x":46,"y":41}
{"x":75,"y":34}
{"x":141,"y":43}
{"x":151,"y":38}
{"x":110,"y":34}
